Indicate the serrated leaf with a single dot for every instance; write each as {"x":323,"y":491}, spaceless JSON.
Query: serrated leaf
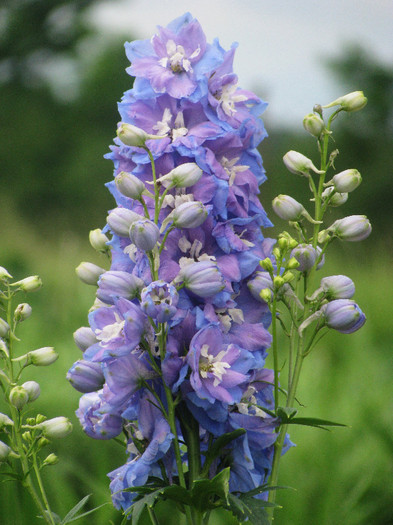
{"x":204,"y":489}
{"x":177,"y":493}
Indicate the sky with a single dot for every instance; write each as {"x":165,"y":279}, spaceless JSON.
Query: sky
{"x":282,"y":43}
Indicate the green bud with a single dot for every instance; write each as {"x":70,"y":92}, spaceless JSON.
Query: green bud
{"x":5,"y":421}
{"x":283,"y":244}
{"x":313,"y":124}
{"x":288,"y":277}
{"x":266,"y":264}
{"x":4,"y":275}
{"x":29,"y":284}
{"x":266,"y":295}
{"x":52,"y":459}
{"x":4,"y":328}
{"x":42,"y":356}
{"x":99,"y":240}
{"x":351,"y":102}
{"x":22,"y":312}
{"x":33,"y":390}
{"x":4,"y":451}
{"x":89,"y":273}
{"x":299,"y":164}
{"x":293,"y":263}
{"x":56,"y":428}
{"x":278,"y":281}
{"x":276,"y":252}
{"x":18,"y":397}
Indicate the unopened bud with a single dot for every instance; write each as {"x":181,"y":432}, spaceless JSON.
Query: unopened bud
{"x":288,"y":277}
{"x":129,"y":185}
{"x":183,"y":176}
{"x":299,"y":164}
{"x":99,"y":240}
{"x":261,"y":281}
{"x":351,"y":102}
{"x":144,"y":233}
{"x":56,"y":428}
{"x":133,"y":136}
{"x":120,"y":220}
{"x":18,"y":397}
{"x":346,"y":181}
{"x":84,"y":337}
{"x":5,"y":421}
{"x":313,"y":124}
{"x":22,"y":312}
{"x":202,"y":278}
{"x":335,"y":199}
{"x":343,"y":315}
{"x":4,"y":275}
{"x":188,"y":215}
{"x":29,"y":284}
{"x":33,"y":390}
{"x":5,"y":451}
{"x":278,"y":281}
{"x":352,"y":228}
{"x":266,"y":295}
{"x":306,"y":255}
{"x":42,"y":356}
{"x":290,"y":209}
{"x":4,"y":328}
{"x":267,"y":264}
{"x":52,"y":459}
{"x":293,"y":264}
{"x":86,"y":376}
{"x":338,"y":287}
{"x":89,"y":273}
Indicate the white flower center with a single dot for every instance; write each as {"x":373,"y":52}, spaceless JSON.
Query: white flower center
{"x":213,"y":364}
{"x":227,"y":98}
{"x":231,"y":169}
{"x":111,"y":331}
{"x":177,"y":59}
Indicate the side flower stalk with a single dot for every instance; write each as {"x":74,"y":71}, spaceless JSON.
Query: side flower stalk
{"x":330,"y":305}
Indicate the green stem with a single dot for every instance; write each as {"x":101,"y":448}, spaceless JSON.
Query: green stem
{"x":152,"y":516}
{"x":275,"y":351}
{"x":156,"y":193}
{"x":42,"y":489}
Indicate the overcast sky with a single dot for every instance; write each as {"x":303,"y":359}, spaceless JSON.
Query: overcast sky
{"x":282,"y":43}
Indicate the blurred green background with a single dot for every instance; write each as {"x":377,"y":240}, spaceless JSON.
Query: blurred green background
{"x":52,"y":193}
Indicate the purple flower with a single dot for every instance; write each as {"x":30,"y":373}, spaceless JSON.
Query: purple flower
{"x":343,"y":315}
{"x":98,"y":419}
{"x":86,"y":376}
{"x":159,"y":300}
{"x":217,"y":369}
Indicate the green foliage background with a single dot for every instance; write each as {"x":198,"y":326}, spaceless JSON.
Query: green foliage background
{"x":53,"y":139}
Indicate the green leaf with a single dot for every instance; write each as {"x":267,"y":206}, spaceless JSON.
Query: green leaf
{"x":312,"y":422}
{"x":75,"y":509}
{"x":147,"y":501}
{"x":177,"y":493}
{"x":204,"y":489}
{"x":248,"y":509}
{"x":286,"y":413}
{"x":222,"y":442}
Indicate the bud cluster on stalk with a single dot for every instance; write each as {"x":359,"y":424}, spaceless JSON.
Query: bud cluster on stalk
{"x":331,"y":304}
{"x":19,"y":393}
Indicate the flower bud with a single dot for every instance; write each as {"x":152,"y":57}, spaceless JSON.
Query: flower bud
{"x":3,"y":348}
{"x":306,"y":255}
{"x":293,"y":264}
{"x":86,"y":376}
{"x":42,"y":356}
{"x":129,"y":185}
{"x":183,"y":176}
{"x":5,"y":451}
{"x":188,"y":215}
{"x":120,"y":220}
{"x":99,"y":240}
{"x":114,"y":284}
{"x":343,"y":315}
{"x":33,"y":390}
{"x":278,"y":281}
{"x":261,"y":281}
{"x":346,"y":181}
{"x":352,"y":228}
{"x":338,"y":287}
{"x":337,"y":199}
{"x":4,"y":275}
{"x":159,"y":300}
{"x":29,"y":284}
{"x":22,"y":312}
{"x":351,"y":102}
{"x":313,"y":124}
{"x":202,"y":278}
{"x":299,"y":164}
{"x":89,"y":273}
{"x":5,"y":421}
{"x":144,"y":234}
{"x":52,"y":459}
{"x":287,"y":208}
{"x":57,"y":427}
{"x":267,"y":264}
{"x":18,"y":397}
{"x":4,"y":328}
{"x":266,"y":295}
{"x":133,"y":136}
{"x":84,"y":337}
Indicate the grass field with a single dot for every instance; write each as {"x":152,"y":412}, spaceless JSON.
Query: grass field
{"x":341,"y":477}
